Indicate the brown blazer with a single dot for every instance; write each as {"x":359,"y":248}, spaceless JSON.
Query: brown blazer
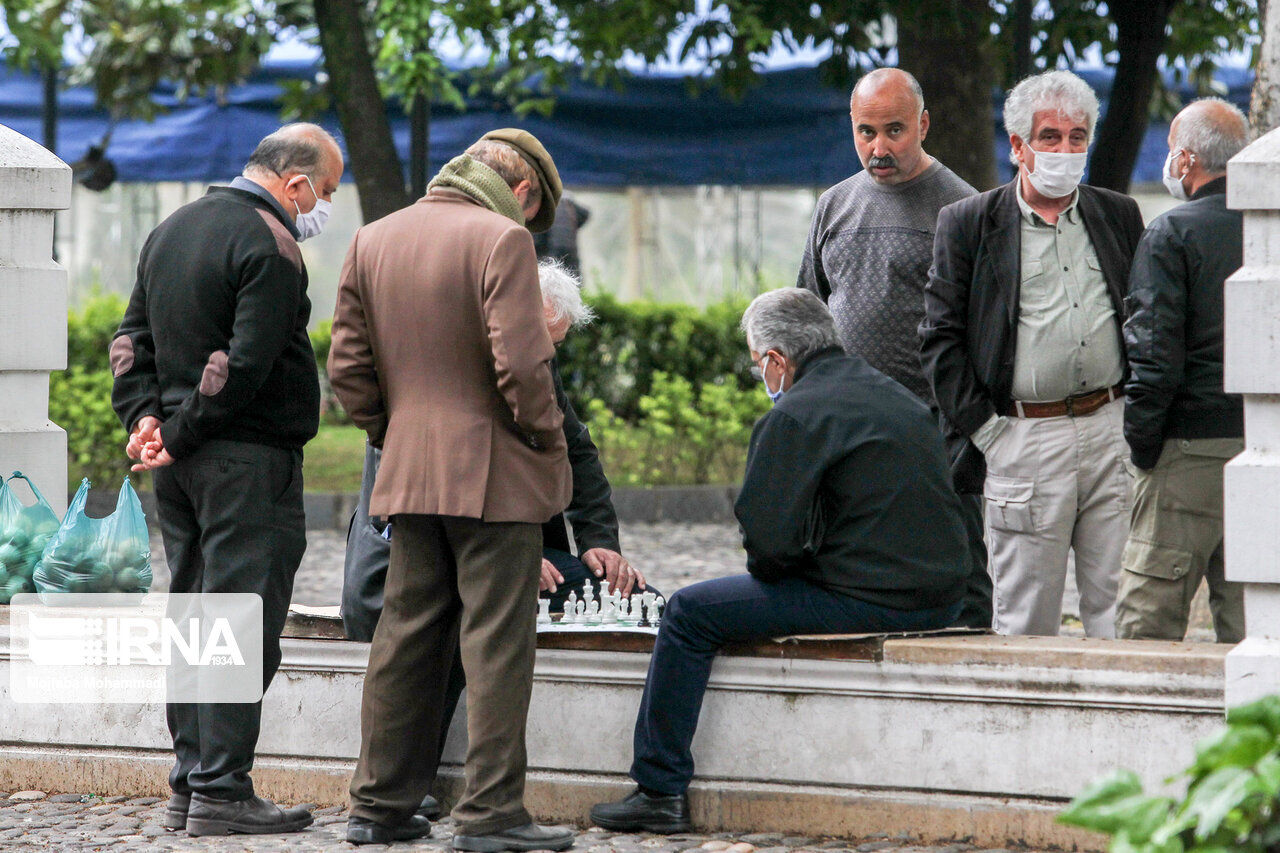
{"x":441,"y":354}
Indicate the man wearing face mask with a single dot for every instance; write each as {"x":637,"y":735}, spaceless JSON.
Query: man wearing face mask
{"x":850,"y":525}
{"x":1180,"y":424}
{"x":1021,"y":343}
{"x":216,"y":383}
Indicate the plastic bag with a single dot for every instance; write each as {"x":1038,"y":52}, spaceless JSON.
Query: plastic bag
{"x":24,"y":532}
{"x":111,"y":554}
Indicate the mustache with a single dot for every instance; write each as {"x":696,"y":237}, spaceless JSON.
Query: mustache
{"x":886,"y":162}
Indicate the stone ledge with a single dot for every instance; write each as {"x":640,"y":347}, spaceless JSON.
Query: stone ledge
{"x":31,"y":177}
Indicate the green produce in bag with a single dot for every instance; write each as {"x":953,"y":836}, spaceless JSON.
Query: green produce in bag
{"x":111,"y":554}
{"x":24,"y":532}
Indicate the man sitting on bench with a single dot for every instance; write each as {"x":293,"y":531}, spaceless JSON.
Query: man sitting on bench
{"x":850,"y":525}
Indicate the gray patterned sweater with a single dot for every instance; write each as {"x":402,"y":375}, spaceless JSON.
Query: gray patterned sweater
{"x":868,"y":257}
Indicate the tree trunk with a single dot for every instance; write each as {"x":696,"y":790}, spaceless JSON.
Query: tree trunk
{"x":353,"y":85}
{"x":1140,"y":38}
{"x":957,"y":93}
{"x":1264,"y":107}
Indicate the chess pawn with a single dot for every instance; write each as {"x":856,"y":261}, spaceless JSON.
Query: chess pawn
{"x":645,"y":611}
{"x":570,"y":609}
{"x":544,"y":611}
{"x":624,"y":610}
{"x":581,"y":610}
{"x":658,"y":604}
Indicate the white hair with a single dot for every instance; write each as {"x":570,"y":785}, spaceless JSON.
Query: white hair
{"x":1215,"y":132}
{"x":1052,"y":90}
{"x":562,"y":293}
{"x":792,"y":321}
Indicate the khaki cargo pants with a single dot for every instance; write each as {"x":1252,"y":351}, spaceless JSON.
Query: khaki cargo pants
{"x":1175,"y":539}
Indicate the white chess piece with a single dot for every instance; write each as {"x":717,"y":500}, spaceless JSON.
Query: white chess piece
{"x":544,"y":611}
{"x":659,"y":604}
{"x":646,"y":603}
{"x":588,"y":592}
{"x":581,"y":611}
{"x":570,"y":609}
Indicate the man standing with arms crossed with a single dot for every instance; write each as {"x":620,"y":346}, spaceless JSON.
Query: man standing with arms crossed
{"x":868,"y":258}
{"x":1021,"y":343}
{"x":442,"y":355}
{"x":216,"y":382}
{"x":1180,"y":424}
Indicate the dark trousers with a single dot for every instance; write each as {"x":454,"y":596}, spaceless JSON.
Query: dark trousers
{"x":452,"y":584}
{"x":976,"y":609}
{"x":232,"y":520}
{"x":701,"y":618}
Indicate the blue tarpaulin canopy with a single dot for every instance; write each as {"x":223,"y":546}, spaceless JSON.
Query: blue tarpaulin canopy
{"x":789,"y":130}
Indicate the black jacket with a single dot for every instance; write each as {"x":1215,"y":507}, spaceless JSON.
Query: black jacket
{"x":214,"y":341}
{"x":969,"y":333}
{"x":846,"y":487}
{"x":1174,"y":332}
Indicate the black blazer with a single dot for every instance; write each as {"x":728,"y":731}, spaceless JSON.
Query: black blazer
{"x":969,"y":332}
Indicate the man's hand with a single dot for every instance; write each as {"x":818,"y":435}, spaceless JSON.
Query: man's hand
{"x":550,"y":577}
{"x":614,"y":568}
{"x":145,"y":431}
{"x":153,"y":455}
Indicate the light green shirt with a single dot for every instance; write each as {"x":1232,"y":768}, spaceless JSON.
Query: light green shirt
{"x":1067,"y":341}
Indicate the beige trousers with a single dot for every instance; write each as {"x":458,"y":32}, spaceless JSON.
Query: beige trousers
{"x":1175,"y":539}
{"x":1057,"y":485}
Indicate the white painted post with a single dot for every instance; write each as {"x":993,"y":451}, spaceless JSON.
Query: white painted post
{"x":33,"y":313}
{"x":1253,"y":368}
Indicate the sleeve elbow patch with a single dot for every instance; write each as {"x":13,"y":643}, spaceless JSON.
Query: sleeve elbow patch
{"x":214,"y":378}
{"x":121,"y":355}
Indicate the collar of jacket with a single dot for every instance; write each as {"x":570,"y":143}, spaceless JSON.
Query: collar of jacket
{"x":813,"y":358}
{"x":244,"y":185}
{"x":1214,"y":187}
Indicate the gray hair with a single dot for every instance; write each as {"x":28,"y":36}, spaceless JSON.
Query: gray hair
{"x":792,"y":321}
{"x":562,"y":293}
{"x":1215,"y":132}
{"x":298,"y":147}
{"x":881,"y":76}
{"x":1052,"y":90}
{"x":507,"y":162}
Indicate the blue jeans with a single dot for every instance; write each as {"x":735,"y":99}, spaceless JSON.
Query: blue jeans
{"x":701,"y":618}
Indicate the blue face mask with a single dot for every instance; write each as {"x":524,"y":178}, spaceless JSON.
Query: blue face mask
{"x":775,"y":396}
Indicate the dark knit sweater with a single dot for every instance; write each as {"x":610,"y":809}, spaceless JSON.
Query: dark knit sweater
{"x":214,"y":341}
{"x":868,"y":258}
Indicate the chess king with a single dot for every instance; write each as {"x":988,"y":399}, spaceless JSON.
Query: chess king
{"x":829,"y":547}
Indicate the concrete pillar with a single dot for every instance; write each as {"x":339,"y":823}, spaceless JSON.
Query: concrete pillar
{"x":33,"y":313}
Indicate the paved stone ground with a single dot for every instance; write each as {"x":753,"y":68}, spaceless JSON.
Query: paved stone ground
{"x":73,"y":822}
{"x":671,"y":555}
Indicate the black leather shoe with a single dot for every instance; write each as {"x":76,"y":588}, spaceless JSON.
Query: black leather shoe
{"x":364,"y":831}
{"x":429,"y":807}
{"x":527,"y":837}
{"x":662,"y":815}
{"x":254,"y":816}
{"x":175,"y":814}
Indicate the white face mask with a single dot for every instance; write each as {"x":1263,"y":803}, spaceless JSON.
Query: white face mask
{"x":1057,"y":175}
{"x":1171,"y":183}
{"x":312,"y":223}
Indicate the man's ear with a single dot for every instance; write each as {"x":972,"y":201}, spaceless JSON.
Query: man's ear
{"x":924,"y":124}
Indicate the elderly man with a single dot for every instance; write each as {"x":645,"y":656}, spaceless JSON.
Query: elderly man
{"x":850,"y":524}
{"x":215,"y":381}
{"x":1021,"y":343}
{"x":868,"y":258}
{"x":1181,"y":426}
{"x":441,"y":354}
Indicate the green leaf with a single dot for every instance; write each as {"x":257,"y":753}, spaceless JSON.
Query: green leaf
{"x":1236,"y":746}
{"x":1115,"y":804}
{"x":1265,"y":713}
{"x":1214,"y":796}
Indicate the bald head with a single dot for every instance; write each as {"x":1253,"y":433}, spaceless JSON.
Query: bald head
{"x":1212,"y":130}
{"x":888,"y":83}
{"x":889,"y":126}
{"x":300,"y":165}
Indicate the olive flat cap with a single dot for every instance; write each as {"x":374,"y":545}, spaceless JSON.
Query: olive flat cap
{"x":536,"y":156}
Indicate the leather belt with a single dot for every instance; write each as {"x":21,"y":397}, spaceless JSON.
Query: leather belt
{"x":1075,"y":407}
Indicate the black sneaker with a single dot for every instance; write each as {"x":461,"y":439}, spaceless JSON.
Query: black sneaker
{"x":659,"y":814}
{"x":429,"y":807}
{"x":364,"y":831}
{"x":527,"y":837}
{"x":175,"y":813}
{"x":254,"y":816}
